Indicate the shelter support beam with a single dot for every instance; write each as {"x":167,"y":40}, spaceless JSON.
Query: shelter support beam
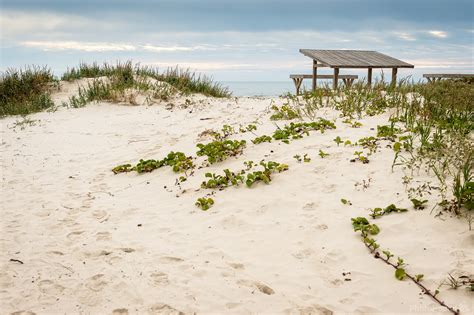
{"x":394,"y":77}
{"x":369,"y":77}
{"x":315,"y":75}
{"x":336,"y":78}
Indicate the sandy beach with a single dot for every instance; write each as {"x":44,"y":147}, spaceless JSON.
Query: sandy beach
{"x":78,"y":239}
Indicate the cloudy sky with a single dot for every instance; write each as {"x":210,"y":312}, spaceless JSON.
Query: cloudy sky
{"x":235,"y":40}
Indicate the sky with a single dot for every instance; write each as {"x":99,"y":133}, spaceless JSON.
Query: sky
{"x":236,"y":40}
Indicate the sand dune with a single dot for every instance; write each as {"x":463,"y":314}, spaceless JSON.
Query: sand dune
{"x":75,"y":238}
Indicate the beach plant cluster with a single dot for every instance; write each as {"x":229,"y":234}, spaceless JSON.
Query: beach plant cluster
{"x":220,"y":150}
{"x":183,"y":80}
{"x":204,"y":203}
{"x":230,"y":178}
{"x":235,"y":178}
{"x":284,"y":112}
{"x":305,"y":158}
{"x":262,"y":139}
{"x":301,"y":129}
{"x":26,"y":91}
{"x":178,"y":161}
{"x":378,"y":212}
{"x":367,"y":230}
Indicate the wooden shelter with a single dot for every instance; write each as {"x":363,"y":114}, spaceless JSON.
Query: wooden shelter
{"x":352,"y":59}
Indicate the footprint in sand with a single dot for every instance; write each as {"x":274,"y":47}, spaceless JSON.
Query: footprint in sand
{"x":260,"y":286}
{"x":49,"y":287}
{"x":237,"y":266}
{"x":120,"y":311}
{"x":127,"y":250}
{"x":5,"y":280}
{"x":322,"y":227}
{"x":103,"y":236}
{"x":74,"y":235}
{"x":169,"y":259}
{"x":232,"y":305}
{"x":100,"y":215}
{"x":163,"y":309}
{"x":310,"y":206}
{"x":159,"y":278}
{"x":97,"y":282}
{"x":313,"y":310}
{"x":23,"y":313}
{"x":305,"y":253}
{"x":98,"y":253}
{"x":329,"y":188}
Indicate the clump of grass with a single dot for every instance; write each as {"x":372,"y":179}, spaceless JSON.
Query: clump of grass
{"x":25,"y":91}
{"x":187,"y":81}
{"x":85,"y":70}
{"x":184,"y":80}
{"x":119,"y":85}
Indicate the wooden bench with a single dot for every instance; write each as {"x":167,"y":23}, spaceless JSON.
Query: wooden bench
{"x":348,"y":79}
{"x":433,"y":77}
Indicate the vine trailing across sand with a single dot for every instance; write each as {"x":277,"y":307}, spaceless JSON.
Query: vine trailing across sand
{"x":367,"y":229}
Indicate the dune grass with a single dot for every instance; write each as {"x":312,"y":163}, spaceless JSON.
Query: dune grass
{"x":431,"y":127}
{"x":25,"y":91}
{"x":184,"y":80}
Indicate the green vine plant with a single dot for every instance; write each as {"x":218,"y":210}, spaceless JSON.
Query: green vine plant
{"x":388,"y":132}
{"x":418,"y":204}
{"x":346,"y":202}
{"x":285,"y":112}
{"x":177,"y":160}
{"x":230,"y":178}
{"x":323,"y":154}
{"x":300,"y":159}
{"x":378,"y":212}
{"x":369,"y":143}
{"x":220,"y":150}
{"x":352,"y":123}
{"x":366,"y":229}
{"x":298,"y":130}
{"x":204,"y":203}
{"x":262,"y":139}
{"x":360,"y":157}
{"x":249,"y":128}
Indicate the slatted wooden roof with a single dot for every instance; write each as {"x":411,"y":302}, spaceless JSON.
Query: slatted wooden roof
{"x":354,"y":59}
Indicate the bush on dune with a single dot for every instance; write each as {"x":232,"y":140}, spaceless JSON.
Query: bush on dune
{"x":25,"y":90}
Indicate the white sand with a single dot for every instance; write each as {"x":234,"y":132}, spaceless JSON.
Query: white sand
{"x":96,"y":243}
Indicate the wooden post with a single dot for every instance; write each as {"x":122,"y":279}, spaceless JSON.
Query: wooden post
{"x":315,"y":74}
{"x":369,"y":77}
{"x":335,"y":79}
{"x":394,"y":77}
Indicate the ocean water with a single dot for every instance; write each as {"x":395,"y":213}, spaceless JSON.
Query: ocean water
{"x":262,"y":88}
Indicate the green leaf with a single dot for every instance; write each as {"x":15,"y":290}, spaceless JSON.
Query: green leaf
{"x":397,"y":146}
{"x":400,"y":273}
{"x":374,"y":229}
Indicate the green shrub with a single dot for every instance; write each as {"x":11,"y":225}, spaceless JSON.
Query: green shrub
{"x":26,"y":90}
